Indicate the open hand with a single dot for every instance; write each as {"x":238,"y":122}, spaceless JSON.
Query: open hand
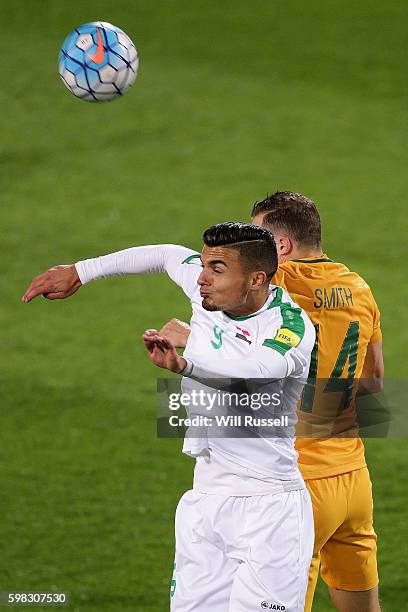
{"x":55,"y":284}
{"x":162,"y":352}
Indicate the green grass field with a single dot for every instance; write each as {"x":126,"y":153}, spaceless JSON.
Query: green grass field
{"x":233,"y":100}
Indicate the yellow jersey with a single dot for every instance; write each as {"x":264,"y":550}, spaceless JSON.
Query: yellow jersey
{"x":342,"y":308}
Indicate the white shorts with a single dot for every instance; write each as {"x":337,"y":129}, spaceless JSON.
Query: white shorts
{"x":242,"y":554}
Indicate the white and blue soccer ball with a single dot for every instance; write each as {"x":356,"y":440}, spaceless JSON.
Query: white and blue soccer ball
{"x":98,"y":62}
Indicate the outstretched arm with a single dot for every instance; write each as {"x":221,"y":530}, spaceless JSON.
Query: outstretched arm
{"x":63,"y":281}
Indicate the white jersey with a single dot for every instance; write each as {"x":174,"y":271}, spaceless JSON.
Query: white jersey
{"x":274,"y":343}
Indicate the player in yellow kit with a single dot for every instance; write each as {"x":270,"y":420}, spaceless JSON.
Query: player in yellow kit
{"x":348,"y":346}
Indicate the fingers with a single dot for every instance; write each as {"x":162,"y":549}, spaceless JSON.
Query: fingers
{"x":42,"y":284}
{"x":158,"y":341}
{"x":162,"y":352}
{"x":36,"y":288}
{"x":56,"y":283}
{"x":150,"y":332}
{"x":152,"y":339}
{"x":154,"y":335}
{"x":148,"y":339}
{"x":53,"y":296}
{"x":166,"y":343}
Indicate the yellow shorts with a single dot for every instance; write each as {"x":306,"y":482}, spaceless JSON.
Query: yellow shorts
{"x":345,"y":540}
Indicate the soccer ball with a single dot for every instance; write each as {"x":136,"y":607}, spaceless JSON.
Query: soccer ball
{"x":98,"y":62}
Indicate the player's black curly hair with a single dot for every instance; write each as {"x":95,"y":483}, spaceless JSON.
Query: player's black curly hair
{"x":256,"y":245}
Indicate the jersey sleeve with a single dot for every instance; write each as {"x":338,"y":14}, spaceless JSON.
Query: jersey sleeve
{"x":293,"y":340}
{"x":182,"y":265}
{"x":259,"y":364}
{"x":377,"y":334}
{"x":286,"y":353}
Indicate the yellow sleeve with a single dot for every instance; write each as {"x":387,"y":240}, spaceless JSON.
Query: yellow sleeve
{"x":376,"y":335}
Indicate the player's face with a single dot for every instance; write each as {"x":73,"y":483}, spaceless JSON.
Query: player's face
{"x":224,"y":283}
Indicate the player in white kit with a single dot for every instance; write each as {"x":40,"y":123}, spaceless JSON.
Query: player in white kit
{"x":244,"y":533}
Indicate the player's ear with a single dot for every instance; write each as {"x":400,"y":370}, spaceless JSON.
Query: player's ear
{"x":284,"y":245}
{"x":258,"y":280}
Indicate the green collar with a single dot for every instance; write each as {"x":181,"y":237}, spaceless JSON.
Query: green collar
{"x":275,"y":302}
{"x":242,"y":318}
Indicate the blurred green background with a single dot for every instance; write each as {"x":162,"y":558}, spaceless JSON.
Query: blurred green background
{"x":233,"y":100}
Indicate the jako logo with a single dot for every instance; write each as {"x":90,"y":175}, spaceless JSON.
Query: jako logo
{"x":267,"y":606}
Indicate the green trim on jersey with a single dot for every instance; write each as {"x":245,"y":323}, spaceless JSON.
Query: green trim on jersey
{"x":292,"y":329}
{"x":277,"y":300}
{"x":244,"y":317}
{"x":190,"y":258}
{"x":323,"y":259}
{"x":276,"y":345}
{"x":173,"y":583}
